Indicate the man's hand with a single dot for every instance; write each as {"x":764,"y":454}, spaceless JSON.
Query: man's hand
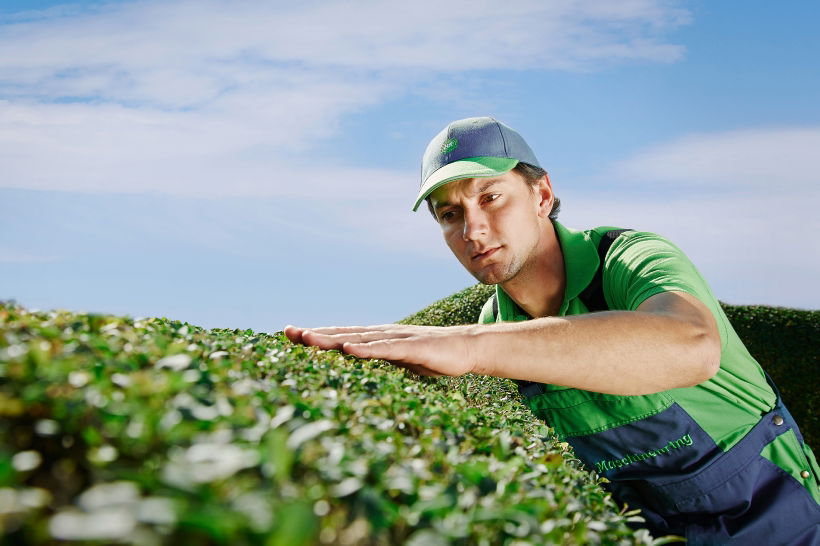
{"x":425,"y":350}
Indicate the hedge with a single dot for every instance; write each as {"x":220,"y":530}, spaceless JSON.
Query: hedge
{"x":154,"y":431}
{"x":786,"y":343}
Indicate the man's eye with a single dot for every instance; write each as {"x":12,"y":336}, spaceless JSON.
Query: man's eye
{"x":449,"y":216}
{"x":491,"y":197}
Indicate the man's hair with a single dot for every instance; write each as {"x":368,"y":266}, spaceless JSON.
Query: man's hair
{"x":532,"y":175}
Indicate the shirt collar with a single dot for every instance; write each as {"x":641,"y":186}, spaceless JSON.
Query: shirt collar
{"x":580,"y":264}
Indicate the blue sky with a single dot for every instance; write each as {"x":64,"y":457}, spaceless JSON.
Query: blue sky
{"x":250,"y":164}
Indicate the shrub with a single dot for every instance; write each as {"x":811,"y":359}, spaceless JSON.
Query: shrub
{"x":785,"y":343}
{"x":154,"y":431}
{"x":462,"y":307}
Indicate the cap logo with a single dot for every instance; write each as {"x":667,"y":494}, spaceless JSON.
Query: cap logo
{"x":449,"y":145}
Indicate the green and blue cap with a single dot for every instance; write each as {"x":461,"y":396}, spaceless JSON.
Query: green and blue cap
{"x":471,"y":148}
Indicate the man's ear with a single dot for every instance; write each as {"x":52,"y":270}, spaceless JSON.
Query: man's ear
{"x":543,"y":189}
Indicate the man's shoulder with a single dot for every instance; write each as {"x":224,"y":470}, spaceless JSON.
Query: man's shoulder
{"x":645,"y":240}
{"x":623,"y":235}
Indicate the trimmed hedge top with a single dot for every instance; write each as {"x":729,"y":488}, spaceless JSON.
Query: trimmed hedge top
{"x":154,"y":431}
{"x":786,"y":343}
{"x":461,"y":308}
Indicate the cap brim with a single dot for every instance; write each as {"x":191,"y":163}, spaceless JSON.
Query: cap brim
{"x":471,"y":167}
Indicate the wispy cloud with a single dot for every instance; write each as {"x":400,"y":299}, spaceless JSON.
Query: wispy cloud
{"x":458,"y":35}
{"x":8,"y":256}
{"x":766,"y":159}
{"x":742,"y":204}
{"x":752,"y":249}
{"x":216,"y":97}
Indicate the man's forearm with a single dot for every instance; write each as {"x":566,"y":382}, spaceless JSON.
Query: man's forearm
{"x":670,"y":341}
{"x":614,"y":352}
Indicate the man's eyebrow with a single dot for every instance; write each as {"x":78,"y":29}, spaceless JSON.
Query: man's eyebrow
{"x":438,"y":206}
{"x":484,"y":187}
{"x":487,"y":185}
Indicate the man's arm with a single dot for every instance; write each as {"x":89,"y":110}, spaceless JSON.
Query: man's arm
{"x":669,"y":341}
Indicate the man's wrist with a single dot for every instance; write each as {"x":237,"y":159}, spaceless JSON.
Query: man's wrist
{"x":478,"y":340}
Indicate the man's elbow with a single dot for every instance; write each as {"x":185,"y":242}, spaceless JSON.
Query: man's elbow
{"x":708,"y":349}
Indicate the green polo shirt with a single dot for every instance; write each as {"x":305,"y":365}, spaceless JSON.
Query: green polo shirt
{"x":638,"y":266}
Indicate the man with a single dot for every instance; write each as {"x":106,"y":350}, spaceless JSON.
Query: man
{"x":653,"y":389}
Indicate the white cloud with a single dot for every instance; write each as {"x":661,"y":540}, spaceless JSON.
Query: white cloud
{"x":85,"y":147}
{"x":9,"y":256}
{"x":752,"y":249}
{"x":770,"y":160}
{"x":741,"y":204}
{"x":455,"y":35}
{"x":215,"y":97}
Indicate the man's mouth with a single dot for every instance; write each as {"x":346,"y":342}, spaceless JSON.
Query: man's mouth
{"x":485,"y":254}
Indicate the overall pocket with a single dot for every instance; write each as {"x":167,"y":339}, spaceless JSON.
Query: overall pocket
{"x":740,"y":496}
{"x":573,"y":412}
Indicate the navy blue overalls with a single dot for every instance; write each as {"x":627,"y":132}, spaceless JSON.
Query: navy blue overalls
{"x":658,"y":458}
{"x":685,"y":484}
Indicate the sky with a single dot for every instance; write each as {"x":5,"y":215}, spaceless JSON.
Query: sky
{"x":249,"y":164}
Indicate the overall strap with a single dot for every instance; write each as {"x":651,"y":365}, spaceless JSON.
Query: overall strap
{"x":592,"y":296}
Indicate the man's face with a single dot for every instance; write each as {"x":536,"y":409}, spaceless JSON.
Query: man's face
{"x":493,"y":225}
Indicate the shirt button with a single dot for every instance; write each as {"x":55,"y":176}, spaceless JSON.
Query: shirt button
{"x":777,"y":420}
{"x":805,"y":474}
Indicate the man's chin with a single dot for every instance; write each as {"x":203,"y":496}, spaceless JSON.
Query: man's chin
{"x":489,"y":276}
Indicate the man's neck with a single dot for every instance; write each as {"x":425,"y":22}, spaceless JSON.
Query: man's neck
{"x":539,"y":287}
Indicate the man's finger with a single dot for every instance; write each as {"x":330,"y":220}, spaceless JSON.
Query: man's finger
{"x":397,"y":352}
{"x":333,"y":330}
{"x":321,"y":339}
{"x":335,"y":341}
{"x":372,"y":349}
{"x":293,"y":333}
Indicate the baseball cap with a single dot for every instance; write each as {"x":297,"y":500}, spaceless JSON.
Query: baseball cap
{"x":471,"y":148}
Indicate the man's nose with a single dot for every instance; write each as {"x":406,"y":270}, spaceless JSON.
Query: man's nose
{"x":475,"y":224}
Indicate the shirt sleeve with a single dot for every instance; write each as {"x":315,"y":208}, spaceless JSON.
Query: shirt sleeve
{"x":641,"y":264}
